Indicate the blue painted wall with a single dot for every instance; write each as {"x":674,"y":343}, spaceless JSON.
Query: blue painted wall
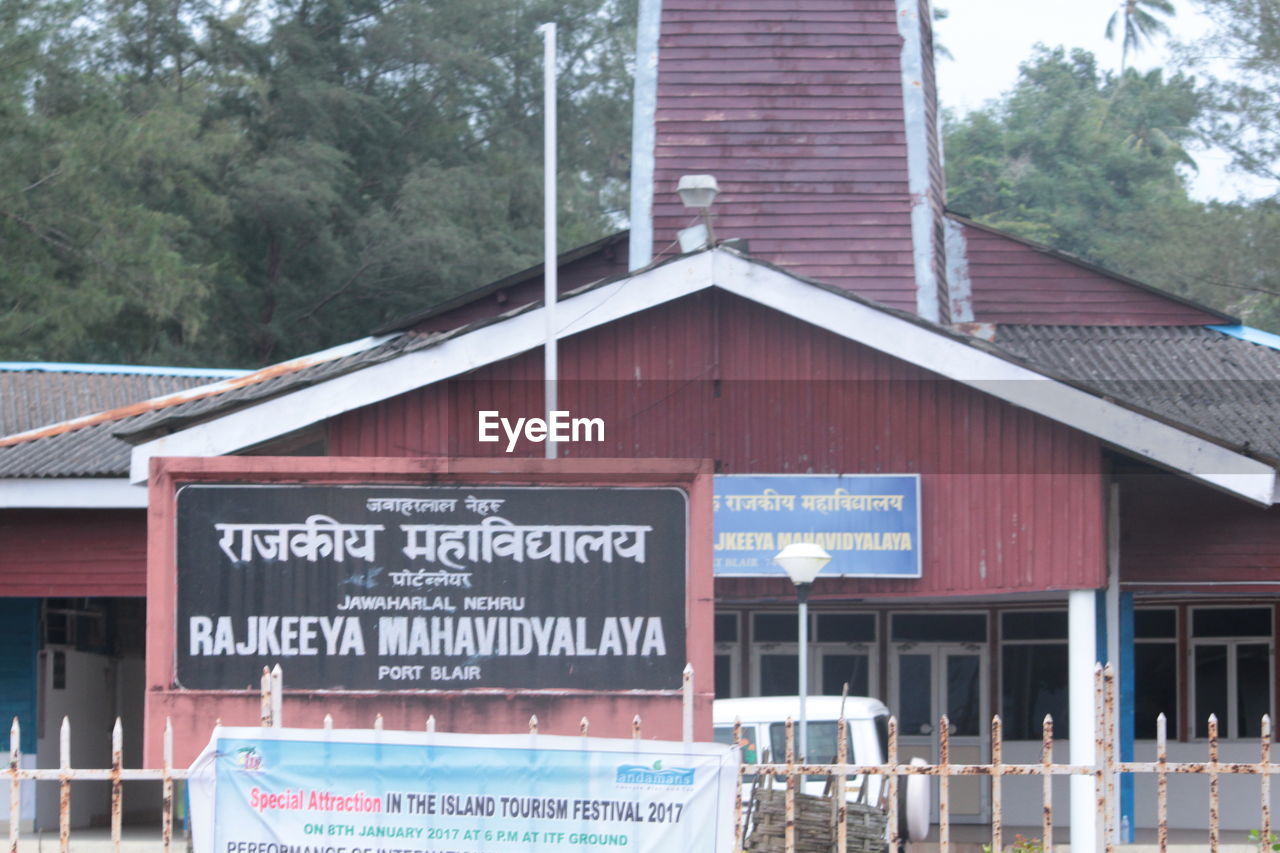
{"x":19,"y":650}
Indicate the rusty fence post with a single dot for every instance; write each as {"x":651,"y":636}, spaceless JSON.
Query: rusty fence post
{"x":277,"y":696}
{"x":842,"y":803}
{"x":264,"y":698}
{"x":789,"y":830}
{"x":117,"y":792}
{"x":895,"y":838}
{"x":1213,"y":783}
{"x":944,"y":784}
{"x":64,"y":787}
{"x":739,"y":830}
{"x":1046,"y":782}
{"x":166,"y":789}
{"x":1266,"y":778}
{"x":1099,"y":761}
{"x":1111,"y":826}
{"x":686,"y":703}
{"x":997,"y":773}
{"x":15,"y":785}
{"x":1162,"y":783}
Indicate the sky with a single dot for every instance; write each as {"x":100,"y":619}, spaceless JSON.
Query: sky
{"x":990,"y":38}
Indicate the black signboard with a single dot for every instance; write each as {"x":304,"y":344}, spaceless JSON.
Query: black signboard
{"x":433,"y":587}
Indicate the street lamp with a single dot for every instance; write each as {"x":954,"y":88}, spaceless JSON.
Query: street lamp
{"x":802,"y":561}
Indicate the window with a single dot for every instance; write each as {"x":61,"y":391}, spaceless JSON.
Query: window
{"x":1033,"y":672}
{"x":775,"y":628}
{"x":749,"y":753}
{"x":774,"y":639}
{"x":841,"y":651}
{"x":1155,"y":671}
{"x":938,"y":628}
{"x":845,"y":642}
{"x":822,"y":741}
{"x":1231,"y":669}
{"x":726,"y":655}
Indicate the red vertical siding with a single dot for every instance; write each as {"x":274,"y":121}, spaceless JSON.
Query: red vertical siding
{"x":797,"y":110}
{"x":1175,"y":531}
{"x":1012,"y":501}
{"x":1013,"y":282}
{"x":73,"y":553}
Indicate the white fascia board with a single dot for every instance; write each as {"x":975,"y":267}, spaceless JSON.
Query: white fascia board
{"x":71,"y":493}
{"x":1134,"y":432}
{"x":465,"y":352}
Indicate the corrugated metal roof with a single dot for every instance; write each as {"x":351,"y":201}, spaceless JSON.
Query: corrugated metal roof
{"x":89,"y":452}
{"x":87,"y":445}
{"x":261,"y":385}
{"x":35,"y":396}
{"x":1195,"y":376}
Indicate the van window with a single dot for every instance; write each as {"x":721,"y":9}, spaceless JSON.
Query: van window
{"x":882,"y":735}
{"x":822,"y":741}
{"x":749,"y":754}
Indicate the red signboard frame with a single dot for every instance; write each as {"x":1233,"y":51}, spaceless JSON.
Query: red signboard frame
{"x":611,"y":713}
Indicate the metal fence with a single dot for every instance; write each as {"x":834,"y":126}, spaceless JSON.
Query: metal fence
{"x":1104,"y":772}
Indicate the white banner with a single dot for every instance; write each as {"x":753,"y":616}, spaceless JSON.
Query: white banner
{"x":256,"y":790}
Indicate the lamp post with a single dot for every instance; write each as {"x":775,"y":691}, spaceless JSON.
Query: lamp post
{"x":802,"y":561}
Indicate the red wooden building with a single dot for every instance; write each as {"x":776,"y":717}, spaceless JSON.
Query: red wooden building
{"x":1097,"y":459}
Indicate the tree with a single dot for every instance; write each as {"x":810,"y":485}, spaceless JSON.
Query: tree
{"x":100,"y":260}
{"x":1138,"y":22}
{"x":1241,"y":58}
{"x":1072,"y":154}
{"x":191,"y":185}
{"x":1093,"y":164}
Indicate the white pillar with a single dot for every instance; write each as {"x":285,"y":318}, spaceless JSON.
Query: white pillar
{"x":1082,"y":637}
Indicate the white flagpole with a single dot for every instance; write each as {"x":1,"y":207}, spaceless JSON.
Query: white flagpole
{"x":549,"y":275}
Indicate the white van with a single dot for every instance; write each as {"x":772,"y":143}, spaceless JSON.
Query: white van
{"x":764,"y":734}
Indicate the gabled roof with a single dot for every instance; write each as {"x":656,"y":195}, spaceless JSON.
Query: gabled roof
{"x":1003,"y":374}
{"x":279,"y":401}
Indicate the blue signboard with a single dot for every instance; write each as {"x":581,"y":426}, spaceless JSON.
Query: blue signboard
{"x":869,"y":523}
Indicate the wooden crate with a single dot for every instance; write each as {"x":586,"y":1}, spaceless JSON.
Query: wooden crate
{"x":815,"y":824}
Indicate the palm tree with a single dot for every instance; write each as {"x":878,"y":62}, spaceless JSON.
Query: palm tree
{"x":1140,"y":24}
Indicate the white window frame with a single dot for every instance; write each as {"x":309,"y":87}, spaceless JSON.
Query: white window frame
{"x":1227,"y":727}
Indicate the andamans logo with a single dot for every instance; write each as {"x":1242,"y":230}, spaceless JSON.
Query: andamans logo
{"x":637,"y":774}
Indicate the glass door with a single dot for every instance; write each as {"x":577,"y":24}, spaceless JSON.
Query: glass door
{"x":928,"y":680}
